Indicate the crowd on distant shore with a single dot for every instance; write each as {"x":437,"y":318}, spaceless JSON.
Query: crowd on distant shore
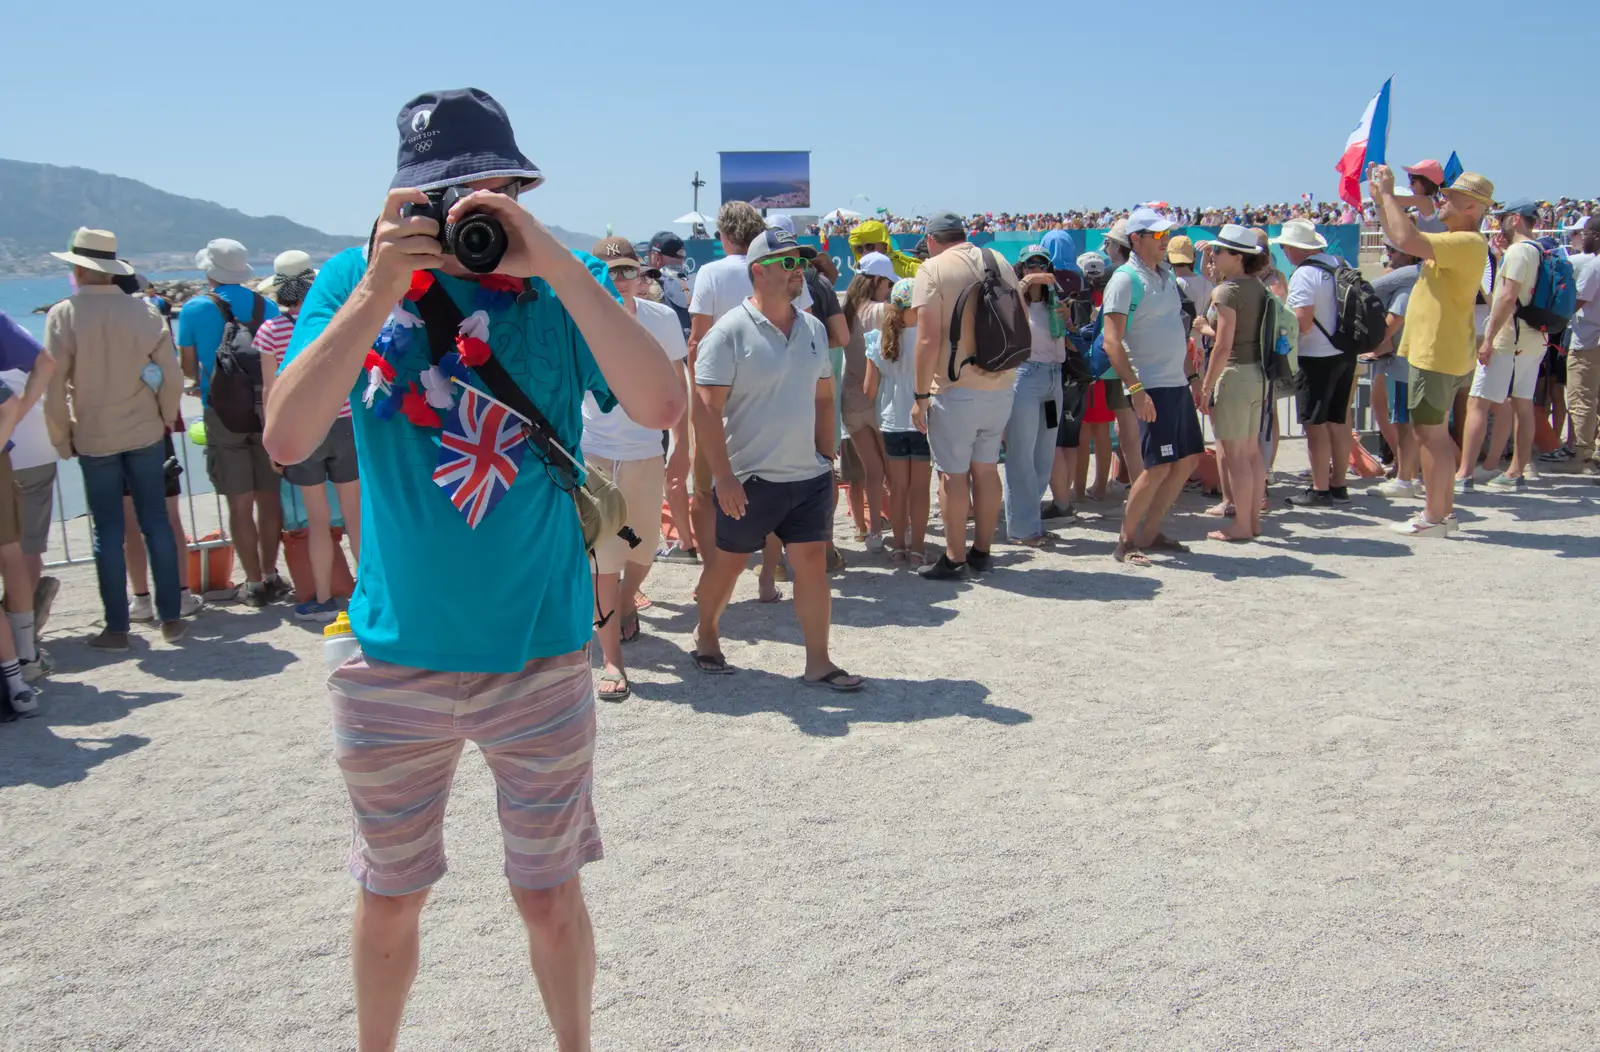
{"x":1560,"y":213}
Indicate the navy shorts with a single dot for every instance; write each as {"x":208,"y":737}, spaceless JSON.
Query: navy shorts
{"x":1322,"y":389}
{"x":1176,"y":433}
{"x":906,"y":445}
{"x":798,"y":512}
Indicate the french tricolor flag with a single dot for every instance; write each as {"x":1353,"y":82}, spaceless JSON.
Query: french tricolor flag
{"x":1365,"y":147}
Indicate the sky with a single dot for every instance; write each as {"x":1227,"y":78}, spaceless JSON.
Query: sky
{"x":973,"y":107}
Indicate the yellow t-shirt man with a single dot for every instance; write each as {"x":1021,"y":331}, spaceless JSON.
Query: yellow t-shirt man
{"x":1438,"y":335}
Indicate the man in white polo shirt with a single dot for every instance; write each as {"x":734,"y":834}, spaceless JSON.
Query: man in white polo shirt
{"x":764,"y":418}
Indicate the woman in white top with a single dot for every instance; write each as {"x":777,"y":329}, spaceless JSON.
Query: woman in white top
{"x":891,"y":384}
{"x":1030,"y":434}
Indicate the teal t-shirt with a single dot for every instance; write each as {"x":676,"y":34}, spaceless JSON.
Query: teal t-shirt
{"x":432,"y":592}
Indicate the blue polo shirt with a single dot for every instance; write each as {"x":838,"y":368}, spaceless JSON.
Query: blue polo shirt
{"x":431,"y":591}
{"x":200,"y":326}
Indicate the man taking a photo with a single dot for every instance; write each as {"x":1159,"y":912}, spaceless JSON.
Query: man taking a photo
{"x":472,"y":616}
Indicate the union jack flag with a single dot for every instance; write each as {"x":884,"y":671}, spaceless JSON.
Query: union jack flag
{"x":480,"y":453}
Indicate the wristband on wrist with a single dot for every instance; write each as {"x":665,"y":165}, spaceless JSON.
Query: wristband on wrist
{"x":922,"y":397}
{"x":1135,"y":388}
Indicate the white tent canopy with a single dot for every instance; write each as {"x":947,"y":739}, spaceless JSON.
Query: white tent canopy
{"x":695,"y":217}
{"x":841,"y":214}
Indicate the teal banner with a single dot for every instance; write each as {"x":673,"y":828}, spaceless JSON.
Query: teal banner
{"x":1344,"y":240}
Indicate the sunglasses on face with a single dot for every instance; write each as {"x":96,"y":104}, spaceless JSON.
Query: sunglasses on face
{"x":862,"y":250}
{"x":1157,"y":235}
{"x":1035,"y":264}
{"x":786,"y":262}
{"x":624,"y":273}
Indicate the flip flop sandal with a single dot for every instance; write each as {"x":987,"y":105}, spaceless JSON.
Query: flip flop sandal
{"x":627,"y":636}
{"x":641,"y":601}
{"x":1124,"y":552}
{"x":1163,"y":543}
{"x":1222,"y":510}
{"x":777,"y":597}
{"x":616,"y":694}
{"x":831,"y":681}
{"x":712,"y":664}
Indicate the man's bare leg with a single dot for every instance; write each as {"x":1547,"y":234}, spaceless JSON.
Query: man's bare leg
{"x":1166,"y":495}
{"x":719,"y":575}
{"x":954,"y":501}
{"x":1128,"y":443}
{"x":269,"y":529}
{"x":771,"y":559}
{"x":1438,"y":458}
{"x":1522,"y":436}
{"x":1141,"y":498}
{"x":561,"y":949}
{"x":242,"y":530}
{"x":989,"y":496}
{"x":1319,"y":446}
{"x":385,"y":943}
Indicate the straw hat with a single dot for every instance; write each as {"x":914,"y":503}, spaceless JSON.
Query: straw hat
{"x":94,"y":250}
{"x":1301,"y":234}
{"x":1474,"y":186}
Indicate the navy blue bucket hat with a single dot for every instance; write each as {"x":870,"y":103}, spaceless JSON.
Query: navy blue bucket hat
{"x":452,"y":137}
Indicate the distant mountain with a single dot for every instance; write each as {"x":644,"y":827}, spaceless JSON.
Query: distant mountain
{"x":41,"y":204}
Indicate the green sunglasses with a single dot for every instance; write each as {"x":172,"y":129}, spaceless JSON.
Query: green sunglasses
{"x":786,"y":262}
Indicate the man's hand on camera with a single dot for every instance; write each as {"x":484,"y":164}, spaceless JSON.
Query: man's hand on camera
{"x":530,"y":248}
{"x":403,"y":246}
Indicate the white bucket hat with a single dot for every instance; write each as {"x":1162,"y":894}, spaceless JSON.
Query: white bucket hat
{"x":291,"y":264}
{"x":224,"y":261}
{"x":94,"y":250}
{"x":1301,"y":234}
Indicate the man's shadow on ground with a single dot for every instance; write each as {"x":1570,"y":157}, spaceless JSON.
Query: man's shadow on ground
{"x":34,"y":752}
{"x":216,"y":647}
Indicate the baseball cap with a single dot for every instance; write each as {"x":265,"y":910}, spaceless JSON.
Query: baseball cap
{"x":615,"y":252}
{"x":1526,"y":208}
{"x":942,"y":224}
{"x":877,"y":265}
{"x":1147,"y":221}
{"x":1034,"y":252}
{"x":771,"y":243}
{"x":1429,"y":169}
{"x":667,"y":243}
{"x":1181,"y":250}
{"x":781,"y":222}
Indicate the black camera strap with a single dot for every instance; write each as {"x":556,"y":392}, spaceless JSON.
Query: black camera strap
{"x":442,"y":319}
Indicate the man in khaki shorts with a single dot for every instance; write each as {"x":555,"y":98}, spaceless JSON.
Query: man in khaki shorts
{"x":631,"y":456}
{"x":238,"y":466}
{"x":1438,"y":338}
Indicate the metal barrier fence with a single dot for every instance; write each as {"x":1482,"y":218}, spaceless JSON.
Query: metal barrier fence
{"x":192,"y":527}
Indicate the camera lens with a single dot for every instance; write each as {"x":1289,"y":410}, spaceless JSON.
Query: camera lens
{"x":478,"y":242}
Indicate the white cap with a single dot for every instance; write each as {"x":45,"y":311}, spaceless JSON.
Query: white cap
{"x":1148,"y":221}
{"x":781,"y":222}
{"x":877,"y":265}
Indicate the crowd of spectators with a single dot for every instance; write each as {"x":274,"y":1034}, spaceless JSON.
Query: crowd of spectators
{"x":1552,"y":215}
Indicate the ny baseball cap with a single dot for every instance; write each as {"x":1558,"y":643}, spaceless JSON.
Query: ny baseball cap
{"x":615,"y":252}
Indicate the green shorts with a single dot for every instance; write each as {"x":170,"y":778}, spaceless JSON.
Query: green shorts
{"x":1432,"y":395}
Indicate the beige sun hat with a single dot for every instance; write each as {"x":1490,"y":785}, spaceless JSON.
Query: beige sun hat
{"x":94,"y":250}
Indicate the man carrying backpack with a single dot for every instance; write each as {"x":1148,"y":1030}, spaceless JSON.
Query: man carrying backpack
{"x":1521,"y":313}
{"x":1327,"y":374}
{"x":964,"y":385}
{"x":216,"y":334}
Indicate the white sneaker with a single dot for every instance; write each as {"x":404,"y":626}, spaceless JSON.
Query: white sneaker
{"x":25,"y":703}
{"x":1394,"y":488}
{"x":1482,"y":475}
{"x":874,"y":542}
{"x":190,"y":605}
{"x":1421,"y":527}
{"x":1530,"y":472}
{"x":141,"y":609}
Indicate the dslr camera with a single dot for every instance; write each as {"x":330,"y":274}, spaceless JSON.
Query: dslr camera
{"x":478,"y":241}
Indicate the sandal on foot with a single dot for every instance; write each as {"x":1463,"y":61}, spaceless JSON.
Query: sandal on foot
{"x":711,"y":664}
{"x":1163,"y":543}
{"x":632,"y":620}
{"x":1220,"y":510}
{"x":833,"y":681}
{"x":777,"y":597}
{"x":1125,"y":552}
{"x":621,"y":692}
{"x":898,"y":556}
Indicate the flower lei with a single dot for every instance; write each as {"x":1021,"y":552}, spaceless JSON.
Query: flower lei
{"x":387,"y":395}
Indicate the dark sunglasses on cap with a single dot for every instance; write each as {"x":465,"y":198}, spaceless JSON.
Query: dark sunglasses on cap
{"x":786,"y":262}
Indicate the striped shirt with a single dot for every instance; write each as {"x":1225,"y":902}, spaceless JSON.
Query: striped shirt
{"x":273,"y":338}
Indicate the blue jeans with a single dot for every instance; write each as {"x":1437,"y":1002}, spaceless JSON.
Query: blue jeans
{"x":143,"y":470}
{"x":1030,"y":447}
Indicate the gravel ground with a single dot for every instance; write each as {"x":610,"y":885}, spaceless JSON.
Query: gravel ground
{"x":1330,"y":791}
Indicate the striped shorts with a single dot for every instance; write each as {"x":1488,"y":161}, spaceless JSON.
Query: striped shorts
{"x":398,"y":733}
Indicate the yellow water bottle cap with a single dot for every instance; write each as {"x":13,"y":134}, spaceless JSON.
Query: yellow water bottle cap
{"x":340,"y":626}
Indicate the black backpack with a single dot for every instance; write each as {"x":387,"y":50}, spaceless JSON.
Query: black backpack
{"x":1001,"y":336}
{"x":1361,"y":321}
{"x":235,"y":386}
